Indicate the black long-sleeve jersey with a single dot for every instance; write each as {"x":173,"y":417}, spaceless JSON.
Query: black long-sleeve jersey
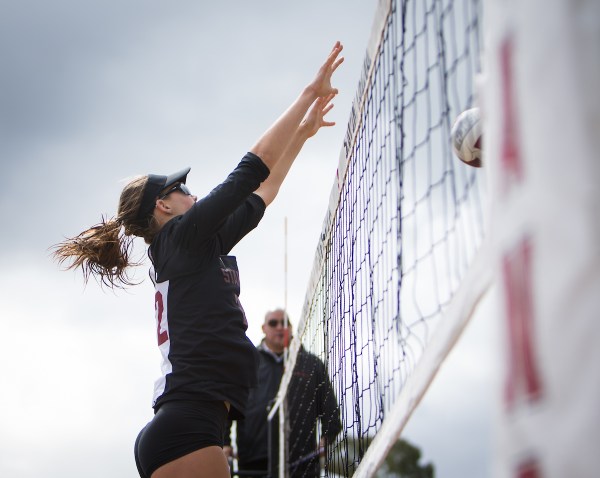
{"x":201,"y":325}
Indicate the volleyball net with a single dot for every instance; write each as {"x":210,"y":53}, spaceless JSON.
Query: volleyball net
{"x":401,"y":261}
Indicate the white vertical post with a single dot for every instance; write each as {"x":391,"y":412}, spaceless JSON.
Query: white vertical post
{"x":282,"y":407}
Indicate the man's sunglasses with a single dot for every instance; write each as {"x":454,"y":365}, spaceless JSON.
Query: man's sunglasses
{"x":275,"y":322}
{"x":177,"y":187}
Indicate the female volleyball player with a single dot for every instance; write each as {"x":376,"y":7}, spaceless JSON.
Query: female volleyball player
{"x":209,"y":364}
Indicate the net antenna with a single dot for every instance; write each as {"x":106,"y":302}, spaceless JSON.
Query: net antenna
{"x":282,"y":409}
{"x":402,"y":260}
{"x":285,"y":280}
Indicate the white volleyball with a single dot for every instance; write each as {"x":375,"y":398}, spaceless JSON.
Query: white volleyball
{"x":466,"y":137}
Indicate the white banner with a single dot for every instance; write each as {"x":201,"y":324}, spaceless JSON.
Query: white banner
{"x":541,"y":93}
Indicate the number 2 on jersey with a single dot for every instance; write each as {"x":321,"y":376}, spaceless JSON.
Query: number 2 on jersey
{"x":159,"y":307}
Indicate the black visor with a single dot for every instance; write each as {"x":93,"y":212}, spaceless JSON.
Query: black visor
{"x":153,"y":187}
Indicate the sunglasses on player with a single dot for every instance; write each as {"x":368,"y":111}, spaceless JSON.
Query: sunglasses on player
{"x":177,"y":187}
{"x":275,"y":322}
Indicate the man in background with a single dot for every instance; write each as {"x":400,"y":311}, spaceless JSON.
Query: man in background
{"x":311,"y":400}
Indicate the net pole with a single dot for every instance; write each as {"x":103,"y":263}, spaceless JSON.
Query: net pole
{"x":285,"y":287}
{"x":282,"y":435}
{"x":285,"y":263}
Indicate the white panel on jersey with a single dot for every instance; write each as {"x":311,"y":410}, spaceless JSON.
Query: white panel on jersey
{"x":162,"y":330}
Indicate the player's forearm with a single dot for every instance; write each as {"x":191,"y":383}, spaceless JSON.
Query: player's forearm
{"x":279,"y":137}
{"x":269,"y":189}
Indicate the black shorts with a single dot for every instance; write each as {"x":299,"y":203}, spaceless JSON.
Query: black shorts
{"x":178,"y":428}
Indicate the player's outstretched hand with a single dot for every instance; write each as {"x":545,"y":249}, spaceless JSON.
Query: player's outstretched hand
{"x":315,"y":118}
{"x":321,"y":85}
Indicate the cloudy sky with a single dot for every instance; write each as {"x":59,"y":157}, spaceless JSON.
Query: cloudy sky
{"x":92,"y":93}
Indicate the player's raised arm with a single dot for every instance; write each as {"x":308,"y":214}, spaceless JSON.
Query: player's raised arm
{"x":314,"y":120}
{"x":276,"y":140}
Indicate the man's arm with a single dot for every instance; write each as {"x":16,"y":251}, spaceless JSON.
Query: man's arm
{"x":329,"y":410}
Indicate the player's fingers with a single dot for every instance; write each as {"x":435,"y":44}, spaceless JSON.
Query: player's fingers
{"x":337,"y":48}
{"x":337,"y":63}
{"x":327,"y":109}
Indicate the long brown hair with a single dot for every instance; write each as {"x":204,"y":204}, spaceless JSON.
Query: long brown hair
{"x":105,"y":249}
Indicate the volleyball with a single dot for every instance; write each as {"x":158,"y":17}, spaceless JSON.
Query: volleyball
{"x":466,"y":137}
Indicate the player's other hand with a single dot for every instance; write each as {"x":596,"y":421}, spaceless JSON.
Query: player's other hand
{"x":315,"y":118}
